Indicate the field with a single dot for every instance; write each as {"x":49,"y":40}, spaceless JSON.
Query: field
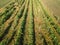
{"x":4,"y":2}
{"x":30,"y":22}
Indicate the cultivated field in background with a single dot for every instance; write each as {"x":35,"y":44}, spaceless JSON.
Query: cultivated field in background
{"x":29,"y":22}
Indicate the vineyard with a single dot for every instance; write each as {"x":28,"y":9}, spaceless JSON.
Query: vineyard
{"x":30,"y":22}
